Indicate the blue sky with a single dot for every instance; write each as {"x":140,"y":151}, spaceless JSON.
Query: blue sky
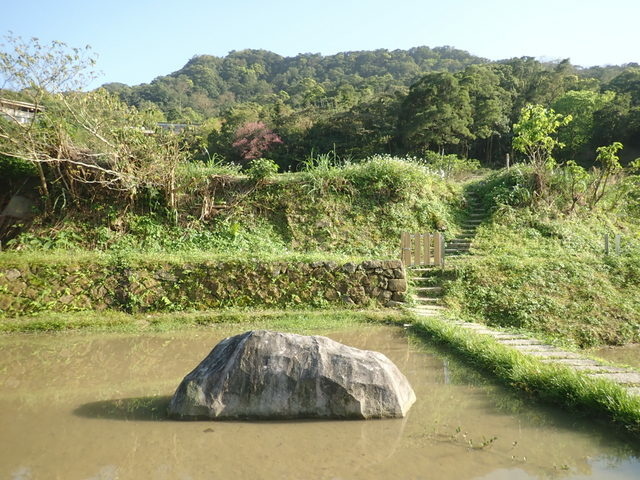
{"x":138,"y":40}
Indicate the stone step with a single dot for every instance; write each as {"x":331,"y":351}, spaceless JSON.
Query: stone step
{"x":430,"y":307}
{"x":428,"y":300}
{"x":627,"y":378}
{"x":571,"y":362}
{"x":429,"y":311}
{"x":598,"y":369}
{"x":425,"y":281}
{"x":519,"y":341}
{"x":559,"y":354}
{"x":431,"y":290}
{"x":634,"y":391}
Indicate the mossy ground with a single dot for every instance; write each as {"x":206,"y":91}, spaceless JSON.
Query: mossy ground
{"x":112,"y":321}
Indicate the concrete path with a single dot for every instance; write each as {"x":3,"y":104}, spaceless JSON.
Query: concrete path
{"x":428,"y":292}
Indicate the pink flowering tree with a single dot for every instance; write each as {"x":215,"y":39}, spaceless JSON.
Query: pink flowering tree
{"x":253,"y":139}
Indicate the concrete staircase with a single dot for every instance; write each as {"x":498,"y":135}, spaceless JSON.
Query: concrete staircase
{"x":427,"y":281}
{"x":462,"y":243}
{"x":427,"y":285}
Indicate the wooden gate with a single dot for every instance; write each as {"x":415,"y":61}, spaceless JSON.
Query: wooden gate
{"x":422,"y":249}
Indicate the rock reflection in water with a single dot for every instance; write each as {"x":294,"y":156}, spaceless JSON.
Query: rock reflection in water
{"x":94,"y":406}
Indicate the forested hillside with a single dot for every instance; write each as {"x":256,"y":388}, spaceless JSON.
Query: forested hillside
{"x":357,"y":104}
{"x":206,"y":86}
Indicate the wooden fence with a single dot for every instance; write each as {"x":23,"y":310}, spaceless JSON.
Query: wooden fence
{"x":422,"y":249}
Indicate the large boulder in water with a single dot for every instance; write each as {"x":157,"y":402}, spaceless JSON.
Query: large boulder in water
{"x":263,"y":374}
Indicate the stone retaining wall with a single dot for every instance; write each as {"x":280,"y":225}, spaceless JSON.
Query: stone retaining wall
{"x":149,"y":287}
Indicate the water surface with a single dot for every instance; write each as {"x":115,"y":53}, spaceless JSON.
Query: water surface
{"x":92,"y":407}
{"x":623,"y":355}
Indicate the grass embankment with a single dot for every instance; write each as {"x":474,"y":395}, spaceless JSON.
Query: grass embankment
{"x":350,"y":209}
{"x":541,"y":268}
{"x":548,"y":383}
{"x":111,"y":321}
{"x":333,"y":213}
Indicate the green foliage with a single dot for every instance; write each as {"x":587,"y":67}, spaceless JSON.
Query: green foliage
{"x":450,"y":165}
{"x":511,"y":187}
{"x":534,"y":134}
{"x":191,"y":175}
{"x":581,"y":105}
{"x":261,"y":169}
{"x":608,"y":158}
{"x":352,"y":208}
{"x":82,"y":145}
{"x":211,"y":84}
{"x":575,"y":180}
{"x":400,"y":102}
{"x":15,"y":173}
{"x":437,"y":112}
{"x":53,"y":67}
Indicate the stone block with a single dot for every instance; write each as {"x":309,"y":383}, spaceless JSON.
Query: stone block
{"x":392,"y":264}
{"x":398,"y":273}
{"x":371,"y":264}
{"x":398,"y":297}
{"x":397,"y":285}
{"x":357,"y":292}
{"x":331,"y":295}
{"x":394,"y":304}
{"x":385,"y":296}
{"x":271,"y":375}
{"x":12,"y":274}
{"x":349,"y":267}
{"x":66,"y":299}
{"x":348,"y":300}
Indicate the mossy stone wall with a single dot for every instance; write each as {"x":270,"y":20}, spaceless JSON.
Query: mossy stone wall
{"x":157,"y":286}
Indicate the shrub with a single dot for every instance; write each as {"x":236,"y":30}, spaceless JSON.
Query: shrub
{"x":450,"y":165}
{"x":262,"y":168}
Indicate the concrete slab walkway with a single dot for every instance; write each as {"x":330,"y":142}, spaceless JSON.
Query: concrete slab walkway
{"x":626,"y":377}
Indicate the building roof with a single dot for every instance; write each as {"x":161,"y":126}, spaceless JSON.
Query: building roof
{"x":5,"y":102}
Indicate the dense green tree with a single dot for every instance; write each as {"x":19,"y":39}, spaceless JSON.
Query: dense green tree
{"x":581,"y":105}
{"x":611,"y":122}
{"x":491,"y":105}
{"x":436,"y":113}
{"x":628,"y":82}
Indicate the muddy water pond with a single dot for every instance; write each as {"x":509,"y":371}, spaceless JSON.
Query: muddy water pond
{"x":92,"y":407}
{"x":624,"y":355}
